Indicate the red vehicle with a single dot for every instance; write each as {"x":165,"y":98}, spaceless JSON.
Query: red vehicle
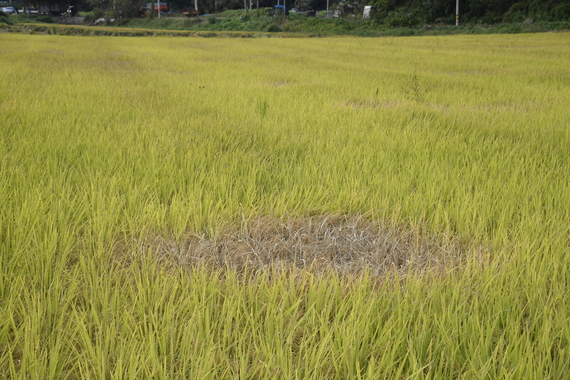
{"x":163,"y":6}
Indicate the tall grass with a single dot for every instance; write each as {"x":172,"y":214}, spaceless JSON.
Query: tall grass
{"x":106,"y":142}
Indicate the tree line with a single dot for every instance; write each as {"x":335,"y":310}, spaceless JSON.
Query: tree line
{"x":413,"y":12}
{"x":395,"y":13}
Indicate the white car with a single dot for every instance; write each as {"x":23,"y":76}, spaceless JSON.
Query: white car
{"x":10,"y":10}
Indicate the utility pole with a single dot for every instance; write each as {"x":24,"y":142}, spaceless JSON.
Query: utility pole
{"x":158,"y":8}
{"x":456,"y":12}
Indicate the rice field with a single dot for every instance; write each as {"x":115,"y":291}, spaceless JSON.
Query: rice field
{"x":333,"y":208}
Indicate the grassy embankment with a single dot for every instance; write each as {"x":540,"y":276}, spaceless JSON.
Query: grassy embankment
{"x":119,"y":157}
{"x":298,"y":23}
{"x":262,"y":22}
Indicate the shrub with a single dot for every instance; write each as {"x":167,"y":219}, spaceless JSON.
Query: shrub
{"x":445,"y":20}
{"x":88,"y":18}
{"x":517,"y":13}
{"x":400,"y":19}
{"x":212,"y":20}
{"x":188,"y":23}
{"x":5,"y":19}
{"x":92,"y":16}
{"x":262,"y":12}
{"x":561,"y":12}
{"x":274,"y":28}
{"x":44,"y":19}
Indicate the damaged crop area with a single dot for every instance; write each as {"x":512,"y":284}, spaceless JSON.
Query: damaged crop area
{"x":346,"y":245}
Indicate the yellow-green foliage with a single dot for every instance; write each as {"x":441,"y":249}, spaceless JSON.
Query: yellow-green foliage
{"x":110,"y":139}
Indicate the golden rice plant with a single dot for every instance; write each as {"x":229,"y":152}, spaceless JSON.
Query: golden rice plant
{"x":335,"y":208}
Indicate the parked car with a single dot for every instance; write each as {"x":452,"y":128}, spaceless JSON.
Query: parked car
{"x":43,"y":10}
{"x":10,"y":10}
